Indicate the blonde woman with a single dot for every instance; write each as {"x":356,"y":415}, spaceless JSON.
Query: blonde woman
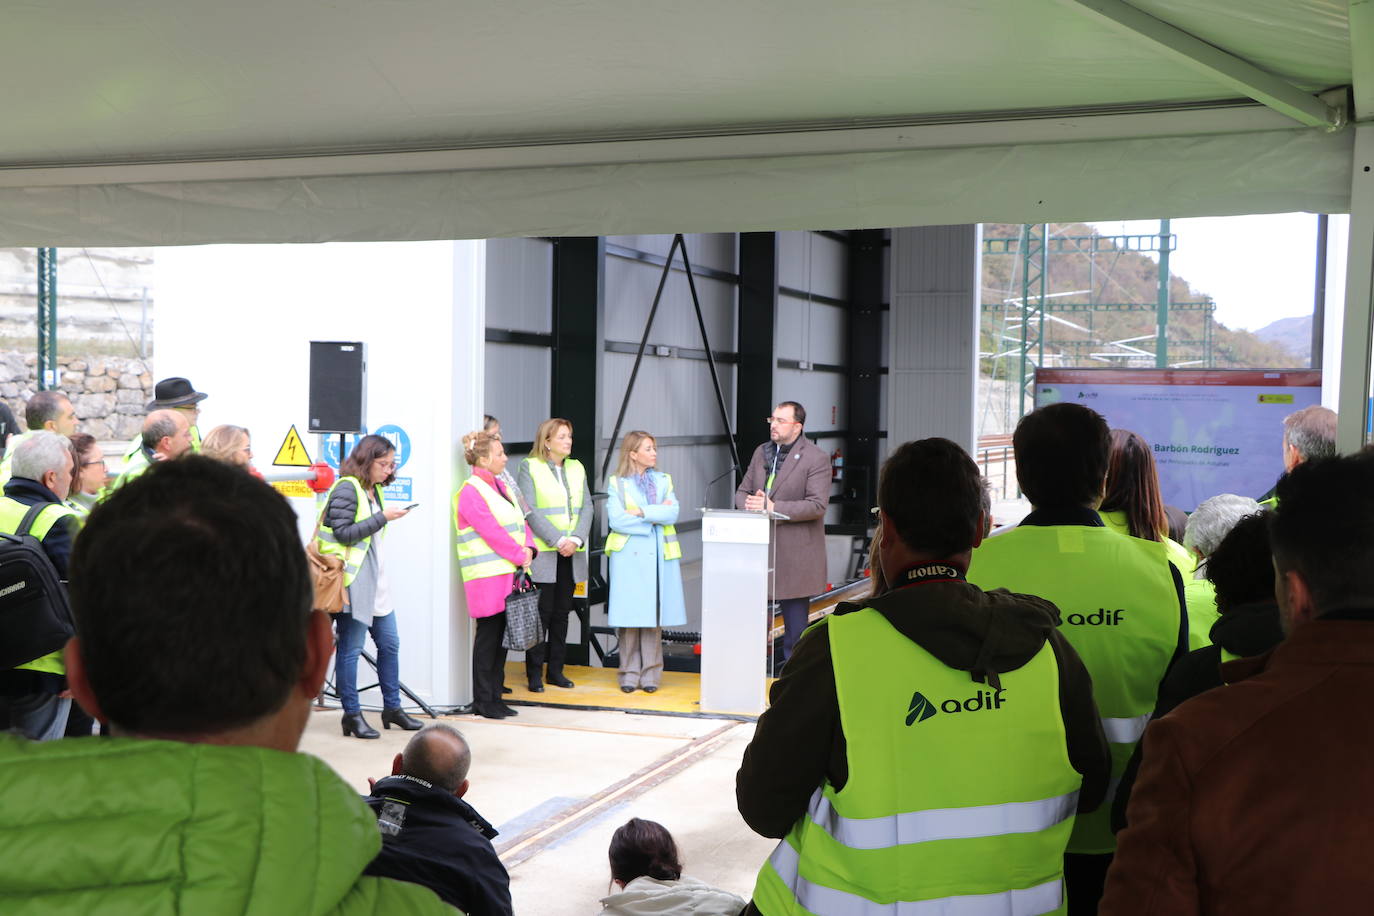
{"x":646,"y":574}
{"x":561,"y":518}
{"x":493,"y":541}
{"x":232,"y":445}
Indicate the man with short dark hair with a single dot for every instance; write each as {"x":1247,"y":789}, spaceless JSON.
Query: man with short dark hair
{"x":933,"y":724}
{"x":166,"y":435}
{"x":197,"y":644}
{"x":790,"y":475}
{"x":1120,"y":599}
{"x":35,"y":693}
{"x":50,"y":410}
{"x":429,"y":834}
{"x":1255,"y":798}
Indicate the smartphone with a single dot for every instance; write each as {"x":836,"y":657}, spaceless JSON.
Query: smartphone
{"x":411,"y":506}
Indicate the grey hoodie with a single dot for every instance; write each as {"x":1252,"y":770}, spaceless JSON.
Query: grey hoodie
{"x":645,"y":896}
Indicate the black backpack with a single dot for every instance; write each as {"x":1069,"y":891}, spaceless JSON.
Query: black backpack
{"x":35,"y":615}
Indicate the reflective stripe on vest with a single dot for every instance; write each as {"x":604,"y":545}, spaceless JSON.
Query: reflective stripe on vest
{"x":12,"y":513}
{"x":931,"y":820}
{"x":1118,"y":608}
{"x":476,"y":559}
{"x":816,"y":898}
{"x":351,"y":554}
{"x":552,"y":502}
{"x":616,"y":540}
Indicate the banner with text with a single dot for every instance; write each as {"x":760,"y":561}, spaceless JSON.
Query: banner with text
{"x":1211,"y":430}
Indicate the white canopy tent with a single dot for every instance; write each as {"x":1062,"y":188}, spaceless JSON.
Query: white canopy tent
{"x":154,"y":122}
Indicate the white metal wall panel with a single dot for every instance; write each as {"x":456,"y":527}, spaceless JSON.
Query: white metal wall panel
{"x":821,"y":393}
{"x":519,"y":287}
{"x":933,"y":322}
{"x":630,"y":288}
{"x":672,"y":397}
{"x":518,"y":380}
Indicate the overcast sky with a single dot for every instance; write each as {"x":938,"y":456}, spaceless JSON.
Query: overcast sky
{"x":1257,"y":268}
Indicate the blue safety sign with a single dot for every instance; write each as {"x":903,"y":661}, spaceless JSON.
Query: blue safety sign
{"x":399,"y":439}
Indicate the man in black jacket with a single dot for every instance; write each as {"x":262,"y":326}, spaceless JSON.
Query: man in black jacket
{"x":430,"y":836}
{"x":932,"y":515}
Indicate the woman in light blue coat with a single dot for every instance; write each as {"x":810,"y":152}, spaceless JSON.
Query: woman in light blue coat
{"x":646,"y":559}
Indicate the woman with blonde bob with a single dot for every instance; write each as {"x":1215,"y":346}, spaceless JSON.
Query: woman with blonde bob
{"x":232,"y":445}
{"x":646,"y":575}
{"x":493,"y":540}
{"x":555,"y":484}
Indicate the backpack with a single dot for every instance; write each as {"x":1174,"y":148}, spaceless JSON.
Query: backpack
{"x":35,"y":614}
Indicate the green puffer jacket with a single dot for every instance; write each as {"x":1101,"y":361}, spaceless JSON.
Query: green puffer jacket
{"x":125,"y":825}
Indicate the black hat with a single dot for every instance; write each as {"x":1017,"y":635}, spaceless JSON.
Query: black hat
{"x":175,"y":392}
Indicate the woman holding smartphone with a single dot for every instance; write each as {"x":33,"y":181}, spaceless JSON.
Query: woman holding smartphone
{"x":353,"y":527}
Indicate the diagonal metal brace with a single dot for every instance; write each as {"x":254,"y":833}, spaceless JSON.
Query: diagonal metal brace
{"x":1221,"y":65}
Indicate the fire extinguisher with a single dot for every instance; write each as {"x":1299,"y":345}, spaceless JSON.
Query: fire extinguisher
{"x":836,"y":465}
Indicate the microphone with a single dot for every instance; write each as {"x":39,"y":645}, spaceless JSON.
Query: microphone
{"x":721,"y":476}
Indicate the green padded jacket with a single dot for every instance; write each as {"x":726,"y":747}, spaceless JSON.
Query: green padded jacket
{"x":124,"y":825}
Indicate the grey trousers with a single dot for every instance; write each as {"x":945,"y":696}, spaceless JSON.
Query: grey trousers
{"x":641,"y":656}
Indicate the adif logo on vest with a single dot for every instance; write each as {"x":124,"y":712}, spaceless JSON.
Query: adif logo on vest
{"x":921,"y":708}
{"x":1101,"y":618}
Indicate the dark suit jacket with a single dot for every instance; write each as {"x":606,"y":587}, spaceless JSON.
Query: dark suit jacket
{"x":801,"y":491}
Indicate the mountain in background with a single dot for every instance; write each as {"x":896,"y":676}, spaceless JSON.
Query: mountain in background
{"x":1293,"y":334}
{"x":1121,"y":335}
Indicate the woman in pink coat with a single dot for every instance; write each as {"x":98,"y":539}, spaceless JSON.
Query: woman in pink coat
{"x":493,"y":540}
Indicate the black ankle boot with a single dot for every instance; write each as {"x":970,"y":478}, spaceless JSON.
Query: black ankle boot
{"x":400,"y":719}
{"x":354,"y":724}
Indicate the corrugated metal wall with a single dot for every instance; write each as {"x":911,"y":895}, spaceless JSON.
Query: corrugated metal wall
{"x":673,"y":397}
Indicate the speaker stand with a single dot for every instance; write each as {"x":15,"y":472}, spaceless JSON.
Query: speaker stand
{"x":330,"y":690}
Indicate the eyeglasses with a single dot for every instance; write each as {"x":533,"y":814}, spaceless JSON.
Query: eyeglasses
{"x":779,"y":421}
{"x":386,"y":462}
{"x":87,"y":464}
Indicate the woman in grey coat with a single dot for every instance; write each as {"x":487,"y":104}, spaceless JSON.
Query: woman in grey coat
{"x":560,"y":515}
{"x":353,"y":527}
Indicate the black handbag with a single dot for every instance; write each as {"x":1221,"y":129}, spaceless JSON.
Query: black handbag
{"x":523,"y":629}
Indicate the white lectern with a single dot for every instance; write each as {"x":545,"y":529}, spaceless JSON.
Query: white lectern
{"x":734,"y":610}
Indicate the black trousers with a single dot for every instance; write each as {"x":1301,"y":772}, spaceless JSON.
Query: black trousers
{"x":555,"y":604}
{"x":488,"y":659}
{"x":1084,"y":878}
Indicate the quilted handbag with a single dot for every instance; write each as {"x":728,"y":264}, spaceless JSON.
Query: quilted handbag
{"x":523,"y":629}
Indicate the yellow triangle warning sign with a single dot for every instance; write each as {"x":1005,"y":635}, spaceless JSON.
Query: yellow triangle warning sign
{"x":292,"y":453}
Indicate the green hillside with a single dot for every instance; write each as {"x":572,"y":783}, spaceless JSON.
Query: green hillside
{"x":1103,"y":338}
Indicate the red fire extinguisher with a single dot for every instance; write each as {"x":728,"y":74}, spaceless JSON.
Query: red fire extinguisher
{"x":836,"y":465}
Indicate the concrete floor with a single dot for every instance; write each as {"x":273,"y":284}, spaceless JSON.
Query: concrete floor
{"x":558,"y":782}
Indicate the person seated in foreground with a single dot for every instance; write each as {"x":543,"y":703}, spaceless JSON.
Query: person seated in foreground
{"x":197,"y":644}
{"x":430,"y":836}
{"x":647,"y":867}
{"x":1254,"y":797}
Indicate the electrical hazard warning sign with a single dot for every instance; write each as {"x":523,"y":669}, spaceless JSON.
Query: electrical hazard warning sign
{"x":292,"y":454}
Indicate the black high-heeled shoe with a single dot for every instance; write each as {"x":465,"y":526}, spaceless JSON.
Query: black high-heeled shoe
{"x":355,"y":725}
{"x":400,"y":719}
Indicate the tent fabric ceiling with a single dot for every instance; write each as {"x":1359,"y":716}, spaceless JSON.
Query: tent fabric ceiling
{"x":95,"y":149}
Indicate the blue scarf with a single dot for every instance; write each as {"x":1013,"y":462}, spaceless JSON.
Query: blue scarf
{"x":646,"y":486}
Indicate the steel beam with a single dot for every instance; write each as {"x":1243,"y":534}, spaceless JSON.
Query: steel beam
{"x":916,"y":132}
{"x":47,"y":318}
{"x":757,"y":337}
{"x":1357,"y":345}
{"x":1227,"y":69}
{"x":579,"y":291}
{"x":1362,"y":57}
{"x":1162,"y":311}
{"x":865,"y":365}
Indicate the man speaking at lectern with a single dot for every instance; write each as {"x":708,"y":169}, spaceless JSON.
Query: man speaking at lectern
{"x":791,"y":476}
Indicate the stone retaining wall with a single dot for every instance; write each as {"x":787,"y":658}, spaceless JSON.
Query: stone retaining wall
{"x":109,"y":393}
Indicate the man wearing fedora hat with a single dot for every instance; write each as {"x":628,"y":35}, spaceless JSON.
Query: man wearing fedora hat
{"x":177,"y":394}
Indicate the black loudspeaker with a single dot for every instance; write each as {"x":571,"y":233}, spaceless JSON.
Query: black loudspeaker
{"x":338,"y":386}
